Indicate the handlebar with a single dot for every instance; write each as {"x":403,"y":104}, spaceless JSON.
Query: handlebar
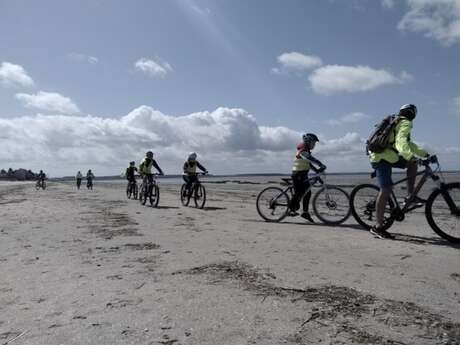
{"x":429,"y":160}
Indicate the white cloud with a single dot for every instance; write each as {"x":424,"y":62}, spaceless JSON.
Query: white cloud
{"x":333,"y":79}
{"x":153,"y":68}
{"x":227,"y":141}
{"x":50,"y":101}
{"x":438,"y":19}
{"x":14,"y":75}
{"x":83,"y":58}
{"x":348,"y":118}
{"x":296,"y":62}
{"x":388,"y":3}
{"x":454,"y":106}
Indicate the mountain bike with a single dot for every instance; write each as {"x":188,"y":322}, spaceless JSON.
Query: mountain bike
{"x":149,"y":190}
{"x":132,"y":190}
{"x":331,"y":204}
{"x":197,"y":191}
{"x":442,"y":208}
{"x":40,"y":184}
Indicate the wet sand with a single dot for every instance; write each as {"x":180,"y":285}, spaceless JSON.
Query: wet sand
{"x":91,"y":267}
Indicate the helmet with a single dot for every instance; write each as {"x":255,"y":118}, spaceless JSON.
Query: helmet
{"x":149,"y":154}
{"x":309,"y":138}
{"x":192,"y":156}
{"x":132,"y":163}
{"x":409,"y":111}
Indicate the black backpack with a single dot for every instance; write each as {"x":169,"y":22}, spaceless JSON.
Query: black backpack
{"x":378,"y":141}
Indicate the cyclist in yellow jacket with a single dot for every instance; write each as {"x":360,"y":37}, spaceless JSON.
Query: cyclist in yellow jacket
{"x":145,"y":168}
{"x":401,"y":153}
{"x":190,"y":174}
{"x":303,"y":162}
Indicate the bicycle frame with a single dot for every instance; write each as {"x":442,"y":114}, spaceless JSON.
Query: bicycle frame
{"x":318,"y":177}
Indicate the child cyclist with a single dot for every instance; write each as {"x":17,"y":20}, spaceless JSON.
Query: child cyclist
{"x":303,"y":161}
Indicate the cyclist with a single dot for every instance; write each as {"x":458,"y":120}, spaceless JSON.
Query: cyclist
{"x":131,"y":172}
{"x":303,"y":161}
{"x":79,"y":177}
{"x":190,"y":175}
{"x":89,"y":179}
{"x":145,"y":168}
{"x":41,"y":176}
{"x":400,"y":154}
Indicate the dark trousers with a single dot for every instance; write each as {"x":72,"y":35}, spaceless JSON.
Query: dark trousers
{"x":189,"y":180}
{"x":78,"y":183}
{"x":301,"y":185}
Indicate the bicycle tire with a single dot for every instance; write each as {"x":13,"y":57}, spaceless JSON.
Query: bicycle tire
{"x":184,"y":196}
{"x":331,"y":205}
{"x":284,"y":207}
{"x":435,"y":225}
{"x":369,"y":206}
{"x":143,"y":194}
{"x":129,"y":191}
{"x":136,"y":192}
{"x":154,"y":196}
{"x":199,"y":196}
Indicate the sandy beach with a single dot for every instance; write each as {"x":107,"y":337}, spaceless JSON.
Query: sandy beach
{"x":91,"y":267}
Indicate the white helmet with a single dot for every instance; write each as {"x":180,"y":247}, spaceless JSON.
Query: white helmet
{"x":192,"y":156}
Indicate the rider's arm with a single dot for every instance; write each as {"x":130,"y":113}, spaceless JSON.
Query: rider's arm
{"x":185,"y":167}
{"x":202,"y":168}
{"x":316,"y":164}
{"x":156,"y":166}
{"x":404,"y":146}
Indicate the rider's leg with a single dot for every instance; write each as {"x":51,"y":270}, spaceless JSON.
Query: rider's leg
{"x":382,"y":200}
{"x":411,"y":176}
{"x":298,"y":180}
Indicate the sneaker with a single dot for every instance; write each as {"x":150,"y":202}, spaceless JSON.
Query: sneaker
{"x":382,"y":234}
{"x":306,"y":215}
{"x":292,"y":213}
{"x":415,"y":202}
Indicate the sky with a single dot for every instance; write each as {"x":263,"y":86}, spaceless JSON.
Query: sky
{"x":94,"y":84}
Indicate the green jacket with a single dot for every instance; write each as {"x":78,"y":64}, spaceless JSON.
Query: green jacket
{"x":401,"y":146}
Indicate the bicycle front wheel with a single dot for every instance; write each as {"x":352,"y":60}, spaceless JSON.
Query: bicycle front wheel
{"x":155,"y":196}
{"x":128,"y":191}
{"x":331,"y":205}
{"x":199,"y":196}
{"x":443,"y":212}
{"x":135,"y":192}
{"x":363,"y":206}
{"x":272,"y":204}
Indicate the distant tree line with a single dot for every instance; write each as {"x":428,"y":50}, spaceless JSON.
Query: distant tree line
{"x":17,"y":175}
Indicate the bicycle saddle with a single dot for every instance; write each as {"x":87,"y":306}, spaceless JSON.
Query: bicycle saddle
{"x":287,"y":180}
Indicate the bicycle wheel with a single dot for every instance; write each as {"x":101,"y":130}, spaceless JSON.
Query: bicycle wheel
{"x":135,"y":192}
{"x":37,"y":186}
{"x":143,"y":194}
{"x":331,"y":205}
{"x":43,"y":185}
{"x":184,"y":195}
{"x":199,"y":195}
{"x":154,"y":195}
{"x":443,"y":212}
{"x":129,"y":191}
{"x":362,"y":201}
{"x":272,"y":204}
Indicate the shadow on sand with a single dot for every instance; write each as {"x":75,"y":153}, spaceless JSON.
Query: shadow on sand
{"x":167,"y":207}
{"x":213,"y":208}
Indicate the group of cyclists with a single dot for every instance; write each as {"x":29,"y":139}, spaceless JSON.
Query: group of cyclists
{"x":400,"y":152}
{"x":89,"y":179}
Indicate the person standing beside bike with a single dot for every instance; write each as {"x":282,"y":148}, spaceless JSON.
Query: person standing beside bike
{"x":400,"y":153}
{"x":190,"y":174}
{"x":89,"y":179}
{"x":145,"y":168}
{"x":79,"y":177}
{"x":303,"y":161}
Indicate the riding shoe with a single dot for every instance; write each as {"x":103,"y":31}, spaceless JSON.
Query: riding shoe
{"x":382,"y":234}
{"x":306,"y":215}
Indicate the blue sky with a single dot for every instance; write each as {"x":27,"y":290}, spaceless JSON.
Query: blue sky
{"x":255,"y":73}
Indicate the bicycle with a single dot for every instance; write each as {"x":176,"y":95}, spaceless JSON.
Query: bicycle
{"x":442,"y":208}
{"x":149,"y":190}
{"x":331,"y":204}
{"x":132,"y":190}
{"x":40,"y":184}
{"x":198,"y":192}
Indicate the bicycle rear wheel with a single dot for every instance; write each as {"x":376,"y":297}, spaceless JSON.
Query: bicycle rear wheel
{"x":443,"y":212}
{"x":154,"y":195}
{"x":331,"y":205}
{"x":199,"y":196}
{"x":363,"y":201}
{"x":184,"y":195}
{"x":272,"y":204}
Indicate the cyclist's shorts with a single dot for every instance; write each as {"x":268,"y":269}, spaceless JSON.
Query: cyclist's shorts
{"x":383,"y":171}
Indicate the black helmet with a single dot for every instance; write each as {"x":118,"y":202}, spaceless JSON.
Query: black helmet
{"x":409,"y":111}
{"x":132,"y":163}
{"x":149,"y":154}
{"x":309,"y":138}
